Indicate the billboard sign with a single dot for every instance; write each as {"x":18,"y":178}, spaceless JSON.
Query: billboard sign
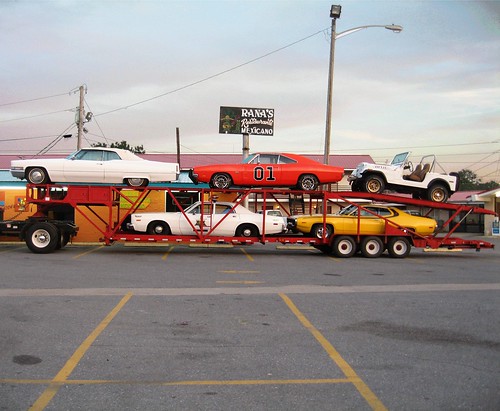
{"x":245,"y":120}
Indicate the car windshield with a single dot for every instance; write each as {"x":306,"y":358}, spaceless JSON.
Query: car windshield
{"x":400,"y":158}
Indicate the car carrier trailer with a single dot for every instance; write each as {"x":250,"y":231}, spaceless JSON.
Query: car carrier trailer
{"x":44,"y":235}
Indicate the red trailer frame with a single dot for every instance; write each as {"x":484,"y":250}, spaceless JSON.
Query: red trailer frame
{"x":84,"y":197}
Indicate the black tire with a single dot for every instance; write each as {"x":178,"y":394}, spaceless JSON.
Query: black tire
{"x":399,"y":247}
{"x":438,"y":193}
{"x":221,"y":181}
{"x":247,"y":230}
{"x":137,"y":182}
{"x":372,"y":247}
{"x":317,"y":231}
{"x":37,"y":175}
{"x":42,"y":238}
{"x":159,"y":228}
{"x":63,"y":240}
{"x":374,"y":184}
{"x":308,"y":182}
{"x":343,"y":246}
{"x":356,"y":186}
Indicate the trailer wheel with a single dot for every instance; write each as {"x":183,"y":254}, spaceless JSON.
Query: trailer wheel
{"x":158,"y":228}
{"x":63,"y":240}
{"x":318,"y":231}
{"x":374,"y":184}
{"x":221,"y":181}
{"x":372,"y":247}
{"x":344,"y":246}
{"x":37,"y":175}
{"x":398,"y":247}
{"x":42,"y":238}
{"x":247,"y":230}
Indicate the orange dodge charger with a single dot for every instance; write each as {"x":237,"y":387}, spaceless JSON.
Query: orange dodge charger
{"x":268,"y":170}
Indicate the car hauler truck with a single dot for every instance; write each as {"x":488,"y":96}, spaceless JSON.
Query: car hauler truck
{"x":44,"y":235}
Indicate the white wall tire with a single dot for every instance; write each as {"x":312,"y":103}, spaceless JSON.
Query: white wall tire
{"x":343,"y":246}
{"x":399,"y":247}
{"x":372,"y":247}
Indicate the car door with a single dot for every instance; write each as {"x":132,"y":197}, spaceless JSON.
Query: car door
{"x":263,"y":170}
{"x":192,"y":217}
{"x":85,"y":166}
{"x":115,"y":168}
{"x":368,"y":223}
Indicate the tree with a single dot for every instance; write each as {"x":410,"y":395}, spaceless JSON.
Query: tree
{"x":470,"y":181}
{"x":123,"y":145}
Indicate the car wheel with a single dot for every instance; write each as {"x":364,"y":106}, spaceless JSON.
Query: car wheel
{"x":308,"y":182}
{"x":374,"y":184}
{"x":37,"y":175}
{"x":42,"y":238}
{"x":438,"y":193}
{"x":398,"y":247}
{"x":158,"y":228}
{"x":318,"y":231}
{"x":221,"y":181}
{"x":372,"y":247}
{"x":343,"y":246}
{"x":136,"y":182}
{"x":356,"y":186}
{"x":247,"y":230}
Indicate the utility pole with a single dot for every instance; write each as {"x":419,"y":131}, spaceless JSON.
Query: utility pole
{"x":178,"y":141}
{"x":80,"y":119}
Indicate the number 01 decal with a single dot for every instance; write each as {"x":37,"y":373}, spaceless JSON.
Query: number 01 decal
{"x":259,"y":173}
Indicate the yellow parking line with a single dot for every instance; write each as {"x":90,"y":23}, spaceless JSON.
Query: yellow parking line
{"x":246,"y":254}
{"x":348,"y":371}
{"x":184,"y":382}
{"x":87,"y":252}
{"x":239,"y":272}
{"x":64,"y":373}
{"x":165,"y":256}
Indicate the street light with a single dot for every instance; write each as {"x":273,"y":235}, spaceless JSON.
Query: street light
{"x":335,"y":14}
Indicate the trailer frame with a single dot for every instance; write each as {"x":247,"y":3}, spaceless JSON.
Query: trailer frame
{"x":111,"y":226}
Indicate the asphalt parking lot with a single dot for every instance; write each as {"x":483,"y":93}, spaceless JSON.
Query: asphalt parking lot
{"x":248,"y":328}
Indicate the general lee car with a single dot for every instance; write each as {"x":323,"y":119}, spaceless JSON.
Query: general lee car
{"x":95,"y":165}
{"x":219,"y":218}
{"x":423,"y":181}
{"x":268,"y":170}
{"x":346,"y":221}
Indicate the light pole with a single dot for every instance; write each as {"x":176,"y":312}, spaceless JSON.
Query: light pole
{"x":335,"y":14}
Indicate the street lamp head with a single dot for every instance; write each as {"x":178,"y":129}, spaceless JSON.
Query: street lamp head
{"x":335,"y":11}
{"x":395,"y":28}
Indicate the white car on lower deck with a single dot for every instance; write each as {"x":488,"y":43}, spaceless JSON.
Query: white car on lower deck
{"x":422,"y":181}
{"x":218,"y":218}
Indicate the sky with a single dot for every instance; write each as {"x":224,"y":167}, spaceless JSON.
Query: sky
{"x":149,"y":67}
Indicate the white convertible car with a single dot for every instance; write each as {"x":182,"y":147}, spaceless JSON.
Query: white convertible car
{"x":422,"y":182}
{"x":95,"y":165}
{"x":219,"y":218}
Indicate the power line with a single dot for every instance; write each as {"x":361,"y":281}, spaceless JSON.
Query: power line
{"x":212,"y":76}
{"x":37,"y":115}
{"x":25,"y":138}
{"x":34,"y":99}
{"x":55,"y":141}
